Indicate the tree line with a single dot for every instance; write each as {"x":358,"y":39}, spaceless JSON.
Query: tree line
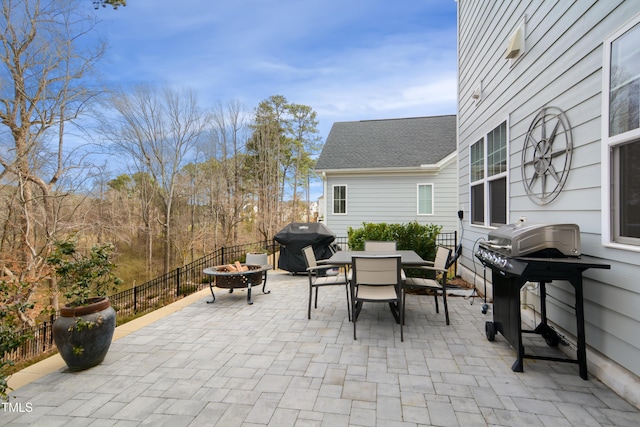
{"x":190,"y":178}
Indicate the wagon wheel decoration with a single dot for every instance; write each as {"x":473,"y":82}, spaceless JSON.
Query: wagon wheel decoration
{"x":546,"y":155}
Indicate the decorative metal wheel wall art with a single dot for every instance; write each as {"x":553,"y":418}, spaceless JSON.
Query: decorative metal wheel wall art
{"x":546,"y":155}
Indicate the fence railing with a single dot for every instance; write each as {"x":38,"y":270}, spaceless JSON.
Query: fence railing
{"x":166,"y":289}
{"x":448,"y":239}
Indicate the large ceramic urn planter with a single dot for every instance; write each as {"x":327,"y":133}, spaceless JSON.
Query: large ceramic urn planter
{"x":83,"y":334}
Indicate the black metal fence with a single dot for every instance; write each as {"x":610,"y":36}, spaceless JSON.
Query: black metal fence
{"x":178,"y":283}
{"x":448,"y":239}
{"x":39,"y":341}
{"x":168,"y":288}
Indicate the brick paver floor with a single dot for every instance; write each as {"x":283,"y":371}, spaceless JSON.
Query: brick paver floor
{"x":234,"y":364}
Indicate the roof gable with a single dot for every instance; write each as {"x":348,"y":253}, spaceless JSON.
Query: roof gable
{"x":390,"y":143}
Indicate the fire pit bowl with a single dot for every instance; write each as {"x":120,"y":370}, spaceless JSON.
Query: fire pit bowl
{"x":226,"y":278}
{"x":237,"y":279}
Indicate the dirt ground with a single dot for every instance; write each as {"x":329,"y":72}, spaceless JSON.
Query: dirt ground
{"x":460,"y":283}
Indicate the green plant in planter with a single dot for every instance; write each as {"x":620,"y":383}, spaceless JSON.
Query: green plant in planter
{"x":84,"y":330}
{"x":83,"y":278}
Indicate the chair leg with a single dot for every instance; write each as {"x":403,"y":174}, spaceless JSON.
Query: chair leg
{"x":354,"y":318}
{"x":348,"y":292}
{"x":401,"y":310}
{"x":404,"y":297}
{"x":310,"y":297}
{"x":354,"y":314}
{"x":348,"y":303}
{"x":316,"y":303}
{"x":444,"y":300}
{"x":435,"y":297}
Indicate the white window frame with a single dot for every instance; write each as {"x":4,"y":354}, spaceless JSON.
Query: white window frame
{"x":431,"y":213}
{"x":609,"y":145}
{"x":333,"y":205}
{"x":486,"y":179}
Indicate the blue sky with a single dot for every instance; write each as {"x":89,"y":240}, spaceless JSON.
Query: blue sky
{"x":347,"y":59}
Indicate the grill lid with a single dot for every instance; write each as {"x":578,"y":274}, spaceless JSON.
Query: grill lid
{"x":525,"y":238}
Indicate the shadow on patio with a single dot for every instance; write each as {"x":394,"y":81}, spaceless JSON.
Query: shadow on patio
{"x":230,"y":363}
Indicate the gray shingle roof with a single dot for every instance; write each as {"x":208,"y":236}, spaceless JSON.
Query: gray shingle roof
{"x":408,"y":142}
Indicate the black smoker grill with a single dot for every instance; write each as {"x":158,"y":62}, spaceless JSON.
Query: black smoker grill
{"x":525,"y":252}
{"x":297,"y":235}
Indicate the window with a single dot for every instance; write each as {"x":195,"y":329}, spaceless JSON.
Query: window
{"x":425,"y":199}
{"x":339,"y":199}
{"x":621,"y":136}
{"x":488,"y":163}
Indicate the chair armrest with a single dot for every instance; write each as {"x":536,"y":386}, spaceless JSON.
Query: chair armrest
{"x":323,"y":267}
{"x":429,"y":268}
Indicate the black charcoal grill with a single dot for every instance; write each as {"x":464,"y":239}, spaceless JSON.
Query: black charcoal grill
{"x":527,"y":252}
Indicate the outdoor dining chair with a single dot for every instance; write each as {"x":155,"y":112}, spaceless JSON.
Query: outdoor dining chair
{"x":439,"y":267}
{"x":317,"y":278}
{"x":383,"y":246}
{"x":376,"y":279}
{"x":379,"y":245}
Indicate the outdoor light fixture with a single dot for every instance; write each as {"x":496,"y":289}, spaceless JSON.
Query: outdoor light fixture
{"x":477,"y":93}
{"x":515,"y":48}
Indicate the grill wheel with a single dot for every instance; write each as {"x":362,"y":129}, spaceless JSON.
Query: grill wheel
{"x":490,"y":331}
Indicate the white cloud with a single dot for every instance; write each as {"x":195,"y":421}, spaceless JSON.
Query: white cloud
{"x":351,"y":60}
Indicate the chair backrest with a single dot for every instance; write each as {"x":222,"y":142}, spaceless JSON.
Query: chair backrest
{"x":442,"y":257}
{"x":379,"y":246}
{"x":309,"y":256}
{"x":376,"y":270}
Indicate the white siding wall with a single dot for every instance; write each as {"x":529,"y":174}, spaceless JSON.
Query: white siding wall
{"x":562,"y":67}
{"x":392,"y":198}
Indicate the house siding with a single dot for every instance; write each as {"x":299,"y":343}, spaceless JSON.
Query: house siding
{"x":561,"y":67}
{"x":392,"y":198}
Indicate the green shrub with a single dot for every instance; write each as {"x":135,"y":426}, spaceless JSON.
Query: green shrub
{"x":412,"y":236}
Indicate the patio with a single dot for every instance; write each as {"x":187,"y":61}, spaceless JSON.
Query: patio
{"x":266,"y":364}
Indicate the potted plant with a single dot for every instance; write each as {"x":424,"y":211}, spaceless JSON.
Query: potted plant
{"x":84,"y":328}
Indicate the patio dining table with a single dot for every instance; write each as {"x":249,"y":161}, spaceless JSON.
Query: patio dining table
{"x":408,"y":258}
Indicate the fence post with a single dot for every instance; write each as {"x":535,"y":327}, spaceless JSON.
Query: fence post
{"x":135,"y":299}
{"x":222,"y":257}
{"x":178,"y":271}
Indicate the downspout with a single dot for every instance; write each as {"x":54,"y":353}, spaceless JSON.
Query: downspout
{"x":324,"y":199}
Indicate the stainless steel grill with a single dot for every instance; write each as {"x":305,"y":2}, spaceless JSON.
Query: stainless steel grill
{"x":528,"y":252}
{"x":531,"y":240}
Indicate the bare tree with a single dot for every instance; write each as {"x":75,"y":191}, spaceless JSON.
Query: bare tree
{"x":114,"y":3}
{"x":280,"y":148}
{"x":266,"y":149}
{"x":157,"y":129}
{"x":228,"y":137}
{"x":303,"y":128}
{"x":45,"y":63}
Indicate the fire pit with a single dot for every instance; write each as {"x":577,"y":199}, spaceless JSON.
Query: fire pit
{"x":228,"y":277}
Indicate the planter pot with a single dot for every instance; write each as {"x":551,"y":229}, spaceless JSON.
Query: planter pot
{"x":83,"y":334}
{"x":257,"y":258}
